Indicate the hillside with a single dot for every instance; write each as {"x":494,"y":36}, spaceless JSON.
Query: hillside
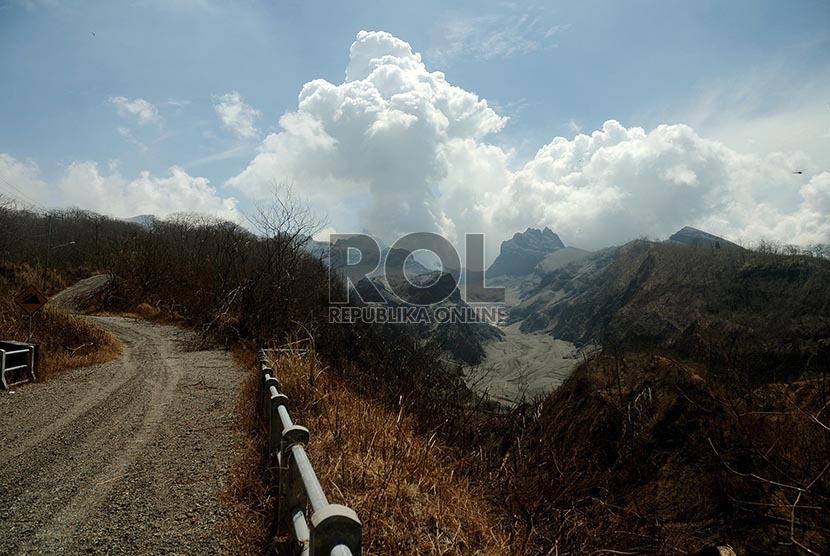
{"x":768,"y":311}
{"x":642,"y":454}
{"x":65,"y":340}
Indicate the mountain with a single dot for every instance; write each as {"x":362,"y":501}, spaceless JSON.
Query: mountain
{"x":718,"y":305}
{"x":562,"y":257}
{"x":146,"y":220}
{"x":698,"y":238}
{"x":319,"y":249}
{"x":519,"y":255}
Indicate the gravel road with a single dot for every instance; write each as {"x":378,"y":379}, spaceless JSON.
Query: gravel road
{"x":127,"y":457}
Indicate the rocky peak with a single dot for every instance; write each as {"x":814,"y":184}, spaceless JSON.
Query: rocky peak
{"x":520,"y":254}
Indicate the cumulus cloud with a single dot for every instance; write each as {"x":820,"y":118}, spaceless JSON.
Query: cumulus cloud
{"x":395,"y":148}
{"x":143,"y":111}
{"x":377,"y":142}
{"x":20,"y":181}
{"x":236,"y":115}
{"x":85,"y":185}
{"x":617,"y":183}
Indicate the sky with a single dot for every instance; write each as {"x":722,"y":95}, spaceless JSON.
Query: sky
{"x":603,"y":120}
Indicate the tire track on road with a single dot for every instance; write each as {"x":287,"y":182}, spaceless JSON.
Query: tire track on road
{"x":105,"y":474}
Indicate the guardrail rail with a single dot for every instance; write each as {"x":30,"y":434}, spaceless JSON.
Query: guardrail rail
{"x":334,"y":529}
{"x":15,"y":357}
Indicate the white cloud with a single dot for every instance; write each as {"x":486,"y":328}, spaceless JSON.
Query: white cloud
{"x":186,"y":5}
{"x":85,"y":185}
{"x":177,"y":103}
{"x":618,"y":183}
{"x":237,"y":151}
{"x":396,"y":148}
{"x":377,"y":142}
{"x":763,"y":110}
{"x":143,"y":111}
{"x":21,"y":181}
{"x":236,"y":115}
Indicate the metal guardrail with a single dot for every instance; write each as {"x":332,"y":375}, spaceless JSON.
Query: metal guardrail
{"x":16,"y":356}
{"x":334,"y":530}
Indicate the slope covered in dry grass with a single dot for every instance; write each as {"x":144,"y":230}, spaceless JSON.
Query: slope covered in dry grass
{"x":407,"y":489}
{"x":65,"y":340}
{"x":645,"y":454}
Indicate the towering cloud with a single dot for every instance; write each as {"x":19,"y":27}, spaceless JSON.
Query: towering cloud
{"x":382,"y":142}
{"x":395,"y":148}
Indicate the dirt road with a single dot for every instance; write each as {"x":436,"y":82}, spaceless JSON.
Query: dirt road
{"x":127,"y":457}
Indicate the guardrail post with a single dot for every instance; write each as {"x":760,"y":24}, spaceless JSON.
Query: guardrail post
{"x":335,"y":525}
{"x":266,"y":394}
{"x":275,"y":425}
{"x":293,"y":496}
{"x":32,"y":363}
{"x":3,"y":369}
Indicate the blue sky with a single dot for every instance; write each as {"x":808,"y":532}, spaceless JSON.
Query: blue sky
{"x":752,"y":75}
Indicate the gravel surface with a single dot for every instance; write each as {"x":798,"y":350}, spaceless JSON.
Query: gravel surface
{"x":127,"y":457}
{"x":521,"y":364}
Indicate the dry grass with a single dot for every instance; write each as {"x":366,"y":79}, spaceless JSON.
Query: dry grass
{"x":406,"y":489}
{"x":65,"y":341}
{"x":68,"y":342}
{"x":644,"y":454}
{"x":248,"y":500}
